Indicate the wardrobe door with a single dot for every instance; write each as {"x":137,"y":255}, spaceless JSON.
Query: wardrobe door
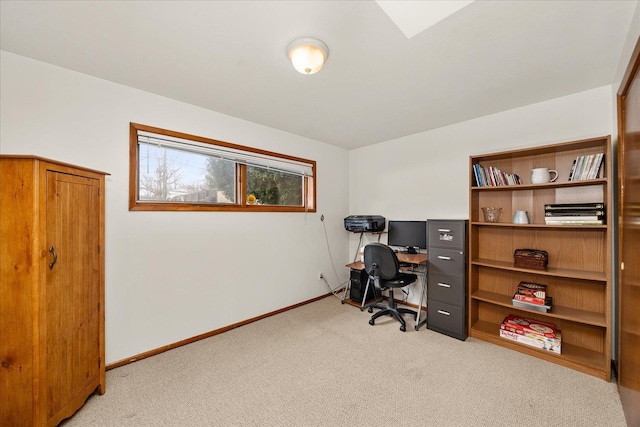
{"x":71,"y":297}
{"x":18,"y":288}
{"x":629,"y":226}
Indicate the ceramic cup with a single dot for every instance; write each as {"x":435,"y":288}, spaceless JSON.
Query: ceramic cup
{"x":521,"y":217}
{"x":543,"y":175}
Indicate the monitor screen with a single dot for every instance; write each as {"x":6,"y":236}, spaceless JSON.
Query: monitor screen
{"x":407,"y":235}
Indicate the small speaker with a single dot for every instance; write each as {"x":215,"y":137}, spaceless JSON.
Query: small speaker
{"x":358,"y":284}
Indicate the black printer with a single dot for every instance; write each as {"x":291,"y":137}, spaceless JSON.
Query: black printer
{"x":364,"y":223}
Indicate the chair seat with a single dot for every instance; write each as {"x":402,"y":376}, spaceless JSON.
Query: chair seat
{"x":399,"y":281}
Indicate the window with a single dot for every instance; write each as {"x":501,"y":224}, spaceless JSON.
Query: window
{"x":175,"y":171}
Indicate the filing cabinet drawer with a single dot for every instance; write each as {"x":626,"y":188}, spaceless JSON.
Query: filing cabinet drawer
{"x":447,"y":262}
{"x":446,"y":234}
{"x":446,"y":319}
{"x":447,"y":289}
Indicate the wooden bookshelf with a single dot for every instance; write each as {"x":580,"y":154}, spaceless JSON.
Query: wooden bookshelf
{"x":578,"y":276}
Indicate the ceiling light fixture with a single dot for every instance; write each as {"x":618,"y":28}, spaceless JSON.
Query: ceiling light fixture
{"x":307,"y":55}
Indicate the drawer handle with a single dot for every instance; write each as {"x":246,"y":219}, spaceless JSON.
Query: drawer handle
{"x":444,"y":230}
{"x":444,"y":285}
{"x":55,"y":257}
{"x":447,"y":258}
{"x":446,"y":313}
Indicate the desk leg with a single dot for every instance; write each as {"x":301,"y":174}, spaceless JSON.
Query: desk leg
{"x":377,"y":297}
{"x":347,"y":288}
{"x":423,"y":297}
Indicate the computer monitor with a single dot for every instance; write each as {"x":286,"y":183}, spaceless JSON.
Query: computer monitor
{"x":409,"y":235}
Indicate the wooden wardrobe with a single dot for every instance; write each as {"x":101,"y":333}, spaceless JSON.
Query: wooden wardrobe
{"x":51,"y":289}
{"x":629,"y":239}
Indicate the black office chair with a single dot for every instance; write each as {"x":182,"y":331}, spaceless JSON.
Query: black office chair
{"x":383,"y":268}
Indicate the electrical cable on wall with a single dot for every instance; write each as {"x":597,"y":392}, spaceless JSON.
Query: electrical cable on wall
{"x":355,"y":257}
{"x":342,"y":285}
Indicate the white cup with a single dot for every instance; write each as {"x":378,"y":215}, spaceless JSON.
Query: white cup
{"x":543,"y":175}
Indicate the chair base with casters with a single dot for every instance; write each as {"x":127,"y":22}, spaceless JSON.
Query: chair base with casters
{"x":392,"y":310}
{"x":382,"y":265}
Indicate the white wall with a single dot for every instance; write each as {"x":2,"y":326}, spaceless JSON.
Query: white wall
{"x":173,"y":275}
{"x":627,"y":49}
{"x":426,"y":176}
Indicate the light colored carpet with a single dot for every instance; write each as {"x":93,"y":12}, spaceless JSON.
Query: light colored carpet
{"x":322,"y":364}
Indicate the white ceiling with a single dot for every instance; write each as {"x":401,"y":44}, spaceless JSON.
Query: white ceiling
{"x":413,"y":17}
{"x":377,"y":85}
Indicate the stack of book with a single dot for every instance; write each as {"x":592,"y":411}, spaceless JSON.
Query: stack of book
{"x":532,"y":296}
{"x":545,"y":336}
{"x":586,"y":167}
{"x":574,"y":213}
{"x":491,"y":176}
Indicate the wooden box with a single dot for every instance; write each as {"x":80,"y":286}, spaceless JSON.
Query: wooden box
{"x":531,"y":258}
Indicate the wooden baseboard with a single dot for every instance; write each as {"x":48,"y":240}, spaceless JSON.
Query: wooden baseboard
{"x":206,"y":335}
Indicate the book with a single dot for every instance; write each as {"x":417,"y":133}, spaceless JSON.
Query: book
{"x":532,"y":300}
{"x":550,"y":221}
{"x":574,"y":212}
{"x":489,"y":176}
{"x":573,"y":169}
{"x":532,"y":290}
{"x":476,"y":174}
{"x":543,"y":308}
{"x":565,"y":217}
{"x":595,"y":167}
{"x":517,"y":179}
{"x":574,"y":206}
{"x":585,"y":169}
{"x":595,"y":171}
{"x":492,"y":176}
{"x":576,"y":173}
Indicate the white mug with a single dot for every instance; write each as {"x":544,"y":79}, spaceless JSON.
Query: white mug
{"x":543,"y":175}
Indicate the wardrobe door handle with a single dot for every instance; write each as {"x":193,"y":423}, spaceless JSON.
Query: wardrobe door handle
{"x":55,"y":257}
{"x":444,"y":230}
{"x":444,"y":285}
{"x":446,"y":313}
{"x":446,"y":258}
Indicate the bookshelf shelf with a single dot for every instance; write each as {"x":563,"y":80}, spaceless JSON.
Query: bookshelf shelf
{"x":551,"y":271}
{"x":558,"y":312}
{"x":579,"y":358}
{"x":566,"y":227}
{"x":578,"y":276}
{"x":524,"y":187}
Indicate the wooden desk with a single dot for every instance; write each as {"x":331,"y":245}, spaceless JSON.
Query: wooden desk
{"x":415,"y":259}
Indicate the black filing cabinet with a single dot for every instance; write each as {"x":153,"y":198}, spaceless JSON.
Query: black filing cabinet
{"x":447,"y":277}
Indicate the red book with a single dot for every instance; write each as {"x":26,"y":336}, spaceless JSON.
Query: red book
{"x":534,"y":290}
{"x":532,"y":300}
{"x":521,"y":325}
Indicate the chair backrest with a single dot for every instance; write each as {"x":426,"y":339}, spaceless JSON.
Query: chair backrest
{"x":380,"y":256}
